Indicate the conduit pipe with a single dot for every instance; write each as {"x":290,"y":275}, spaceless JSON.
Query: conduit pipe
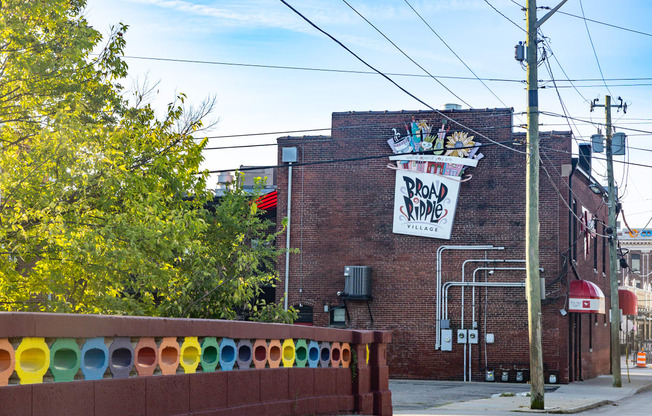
{"x":438,"y":300}
{"x":447,"y":285}
{"x":287,"y":240}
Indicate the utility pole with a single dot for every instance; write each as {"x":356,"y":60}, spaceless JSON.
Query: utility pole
{"x":533,"y":290}
{"x":613,"y":256}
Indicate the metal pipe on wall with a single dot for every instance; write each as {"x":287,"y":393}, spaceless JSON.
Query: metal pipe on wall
{"x":448,"y":285}
{"x":438,"y":300}
{"x":287,"y":240}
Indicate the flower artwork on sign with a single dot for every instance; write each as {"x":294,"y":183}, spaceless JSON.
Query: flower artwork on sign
{"x":429,"y":170}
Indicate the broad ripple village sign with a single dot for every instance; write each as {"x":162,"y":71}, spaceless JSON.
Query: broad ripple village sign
{"x":427,"y":185}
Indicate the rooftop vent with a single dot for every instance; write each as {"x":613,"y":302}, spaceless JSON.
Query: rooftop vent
{"x":452,"y":106}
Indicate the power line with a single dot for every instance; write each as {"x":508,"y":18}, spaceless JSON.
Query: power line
{"x":561,"y":101}
{"x":597,"y":124}
{"x":500,"y":13}
{"x":318,"y":139}
{"x":356,"y":126}
{"x":305,"y":68}
{"x":547,"y":43}
{"x":396,"y":74}
{"x":593,"y":47}
{"x":605,"y":24}
{"x":405,"y":54}
{"x":453,"y":52}
{"x":600,"y":158}
{"x":361,"y":158}
{"x":391,"y":80}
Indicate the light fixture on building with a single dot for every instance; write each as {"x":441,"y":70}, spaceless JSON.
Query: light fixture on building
{"x":597,"y":189}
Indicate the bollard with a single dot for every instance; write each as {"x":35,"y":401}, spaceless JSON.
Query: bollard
{"x":289,"y":353}
{"x":32,"y":360}
{"x":324,"y":354}
{"x":227,"y":354}
{"x":346,"y":355}
{"x":121,"y":357}
{"x":260,"y":353}
{"x":65,"y":359}
{"x":169,"y":353}
{"x":313,"y":354}
{"x":190,"y":355}
{"x":210,"y":354}
{"x":94,"y":358}
{"x":245,"y":354}
{"x":146,"y":356}
{"x":301,"y":352}
{"x":274,"y":354}
{"x":7,"y":361}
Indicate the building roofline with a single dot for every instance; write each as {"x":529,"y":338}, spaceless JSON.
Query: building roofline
{"x":465,"y":110}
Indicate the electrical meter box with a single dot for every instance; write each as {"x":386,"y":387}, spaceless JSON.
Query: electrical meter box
{"x":462,"y":336}
{"x":473,"y":336}
{"x":447,"y":340}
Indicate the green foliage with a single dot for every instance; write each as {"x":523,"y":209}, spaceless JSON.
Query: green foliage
{"x":102,"y":205}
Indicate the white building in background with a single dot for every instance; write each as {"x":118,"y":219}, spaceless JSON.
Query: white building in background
{"x":636,"y":250}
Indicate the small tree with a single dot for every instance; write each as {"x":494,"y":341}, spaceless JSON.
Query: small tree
{"x":102,"y":205}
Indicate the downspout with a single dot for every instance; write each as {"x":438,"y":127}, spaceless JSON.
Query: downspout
{"x":570,"y":260}
{"x":287,"y":240}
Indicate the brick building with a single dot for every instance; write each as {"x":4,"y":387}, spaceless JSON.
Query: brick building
{"x":342,"y":214}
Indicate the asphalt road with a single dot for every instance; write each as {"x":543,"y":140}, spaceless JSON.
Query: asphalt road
{"x":411,"y":395}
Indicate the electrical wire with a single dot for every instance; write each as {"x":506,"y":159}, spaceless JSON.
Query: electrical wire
{"x":510,"y":20}
{"x":561,"y":101}
{"x":547,"y":44}
{"x":453,"y":52}
{"x":405,"y":54}
{"x":396,"y":74}
{"x":593,"y":47}
{"x":303,"y":68}
{"x":595,"y":157}
{"x":361,"y":158}
{"x":597,"y":124}
{"x":391,"y":80}
{"x":605,"y":24}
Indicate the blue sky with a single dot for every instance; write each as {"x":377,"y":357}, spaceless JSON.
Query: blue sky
{"x":266,"y":32}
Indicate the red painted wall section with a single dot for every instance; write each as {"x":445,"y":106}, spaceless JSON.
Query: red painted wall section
{"x":342,"y":215}
{"x":362,"y":388}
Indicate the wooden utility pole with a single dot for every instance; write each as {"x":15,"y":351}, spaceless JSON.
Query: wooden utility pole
{"x":613,"y":255}
{"x":537,"y":386}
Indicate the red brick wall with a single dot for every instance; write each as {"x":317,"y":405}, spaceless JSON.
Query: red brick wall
{"x":342,"y":215}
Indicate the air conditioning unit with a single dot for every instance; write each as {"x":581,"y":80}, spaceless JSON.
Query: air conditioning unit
{"x":357,"y":283}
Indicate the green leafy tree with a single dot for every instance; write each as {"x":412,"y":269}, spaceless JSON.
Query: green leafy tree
{"x":102,"y":204}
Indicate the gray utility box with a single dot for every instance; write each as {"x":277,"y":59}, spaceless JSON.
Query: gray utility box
{"x":357,"y":283}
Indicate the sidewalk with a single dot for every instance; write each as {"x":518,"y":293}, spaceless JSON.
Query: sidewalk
{"x":431,"y":398}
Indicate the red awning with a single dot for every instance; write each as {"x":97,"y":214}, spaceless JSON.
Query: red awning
{"x":267,"y":201}
{"x":585,"y":297}
{"x":628,"y":302}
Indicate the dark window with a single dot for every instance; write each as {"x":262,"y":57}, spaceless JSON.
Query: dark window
{"x":305,"y":315}
{"x":575,"y":231}
{"x":595,"y":246}
{"x":604,"y":248}
{"x":635,"y":266}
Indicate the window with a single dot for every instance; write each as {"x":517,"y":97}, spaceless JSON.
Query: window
{"x":304,"y":314}
{"x":604,"y":249}
{"x":635,"y":265}
{"x":575,"y":231}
